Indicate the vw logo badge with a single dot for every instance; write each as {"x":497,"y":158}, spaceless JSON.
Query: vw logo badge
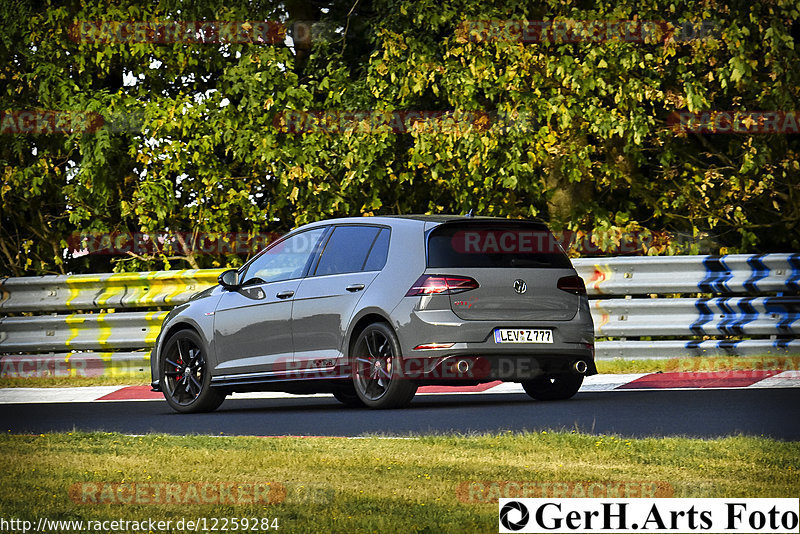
{"x":520,"y":286}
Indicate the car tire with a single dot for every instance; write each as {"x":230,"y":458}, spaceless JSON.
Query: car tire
{"x":184,"y":375}
{"x":553,"y":387}
{"x":377,"y":369}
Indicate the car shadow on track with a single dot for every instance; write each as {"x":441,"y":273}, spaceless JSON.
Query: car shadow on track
{"x":425,"y":402}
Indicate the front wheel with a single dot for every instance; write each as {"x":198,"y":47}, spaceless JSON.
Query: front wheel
{"x":184,"y":375}
{"x":553,"y":387}
{"x":377,"y":369}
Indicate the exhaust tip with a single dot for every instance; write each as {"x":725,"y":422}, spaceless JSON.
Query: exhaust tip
{"x":462,"y":366}
{"x":580,"y":367}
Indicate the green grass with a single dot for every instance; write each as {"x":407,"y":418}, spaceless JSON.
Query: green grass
{"x":701,"y":364}
{"x":374,"y":484}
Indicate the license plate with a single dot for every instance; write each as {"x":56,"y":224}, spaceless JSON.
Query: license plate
{"x":519,"y":335}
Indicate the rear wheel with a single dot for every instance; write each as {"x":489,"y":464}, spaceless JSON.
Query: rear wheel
{"x":348,"y":397}
{"x":377,"y":374}
{"x":553,"y":387}
{"x":184,"y":375}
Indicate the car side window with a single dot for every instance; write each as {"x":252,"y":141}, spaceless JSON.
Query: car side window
{"x":380,"y":250}
{"x":286,"y":260}
{"x":347,"y":250}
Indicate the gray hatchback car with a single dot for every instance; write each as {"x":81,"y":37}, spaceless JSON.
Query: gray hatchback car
{"x":371,"y":308}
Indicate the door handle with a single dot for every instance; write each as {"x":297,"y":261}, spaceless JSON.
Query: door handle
{"x":285,"y":294}
{"x":355,"y":287}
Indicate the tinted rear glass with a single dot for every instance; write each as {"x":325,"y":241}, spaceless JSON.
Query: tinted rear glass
{"x":499,"y":245}
{"x":347,"y":249}
{"x":379,"y":252}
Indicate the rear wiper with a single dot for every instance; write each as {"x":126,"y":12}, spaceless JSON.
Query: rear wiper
{"x":517,"y":262}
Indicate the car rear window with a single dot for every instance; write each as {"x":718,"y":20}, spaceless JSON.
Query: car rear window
{"x":495,"y":244}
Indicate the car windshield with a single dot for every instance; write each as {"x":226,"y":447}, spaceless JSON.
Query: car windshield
{"x":285,"y":260}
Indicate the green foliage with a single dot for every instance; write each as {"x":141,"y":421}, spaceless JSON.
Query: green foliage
{"x":575,"y":133}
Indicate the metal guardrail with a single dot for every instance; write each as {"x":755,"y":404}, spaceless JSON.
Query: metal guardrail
{"x":750,"y":303}
{"x":88,"y":331}
{"x":771,"y":309}
{"x":721,"y":275}
{"x":102,"y":291}
{"x":678,"y":348}
{"x":721,"y":316}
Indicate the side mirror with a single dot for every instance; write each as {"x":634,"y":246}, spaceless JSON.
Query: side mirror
{"x":229,"y":279}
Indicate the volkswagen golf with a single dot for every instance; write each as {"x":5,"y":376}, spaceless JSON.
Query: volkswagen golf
{"x":370,"y":309}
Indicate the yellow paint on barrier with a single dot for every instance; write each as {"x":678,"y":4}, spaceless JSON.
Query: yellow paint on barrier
{"x":73,"y":320}
{"x":155,"y":288}
{"x":73,"y":372}
{"x":111,"y":367}
{"x":151,"y":288}
{"x":116,"y":368}
{"x":187,"y":284}
{"x":108,"y":363}
{"x":124,"y":289}
{"x":104,"y":329}
{"x":138,"y":289}
{"x":154,"y":320}
{"x":113,"y":286}
{"x":75,"y":284}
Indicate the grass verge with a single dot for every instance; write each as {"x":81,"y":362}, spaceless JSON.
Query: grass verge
{"x":371,"y":484}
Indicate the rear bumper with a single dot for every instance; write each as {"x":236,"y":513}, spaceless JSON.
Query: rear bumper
{"x":467,"y":366}
{"x":474,"y":341}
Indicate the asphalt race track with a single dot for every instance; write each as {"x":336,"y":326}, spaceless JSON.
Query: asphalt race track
{"x":695,"y":413}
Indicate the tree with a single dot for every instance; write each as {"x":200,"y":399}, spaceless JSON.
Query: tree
{"x":207,"y":137}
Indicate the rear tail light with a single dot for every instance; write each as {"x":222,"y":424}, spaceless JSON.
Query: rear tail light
{"x":429,"y":284}
{"x":572,"y":284}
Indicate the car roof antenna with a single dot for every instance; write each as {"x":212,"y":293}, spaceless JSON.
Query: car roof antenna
{"x":469,"y":213}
